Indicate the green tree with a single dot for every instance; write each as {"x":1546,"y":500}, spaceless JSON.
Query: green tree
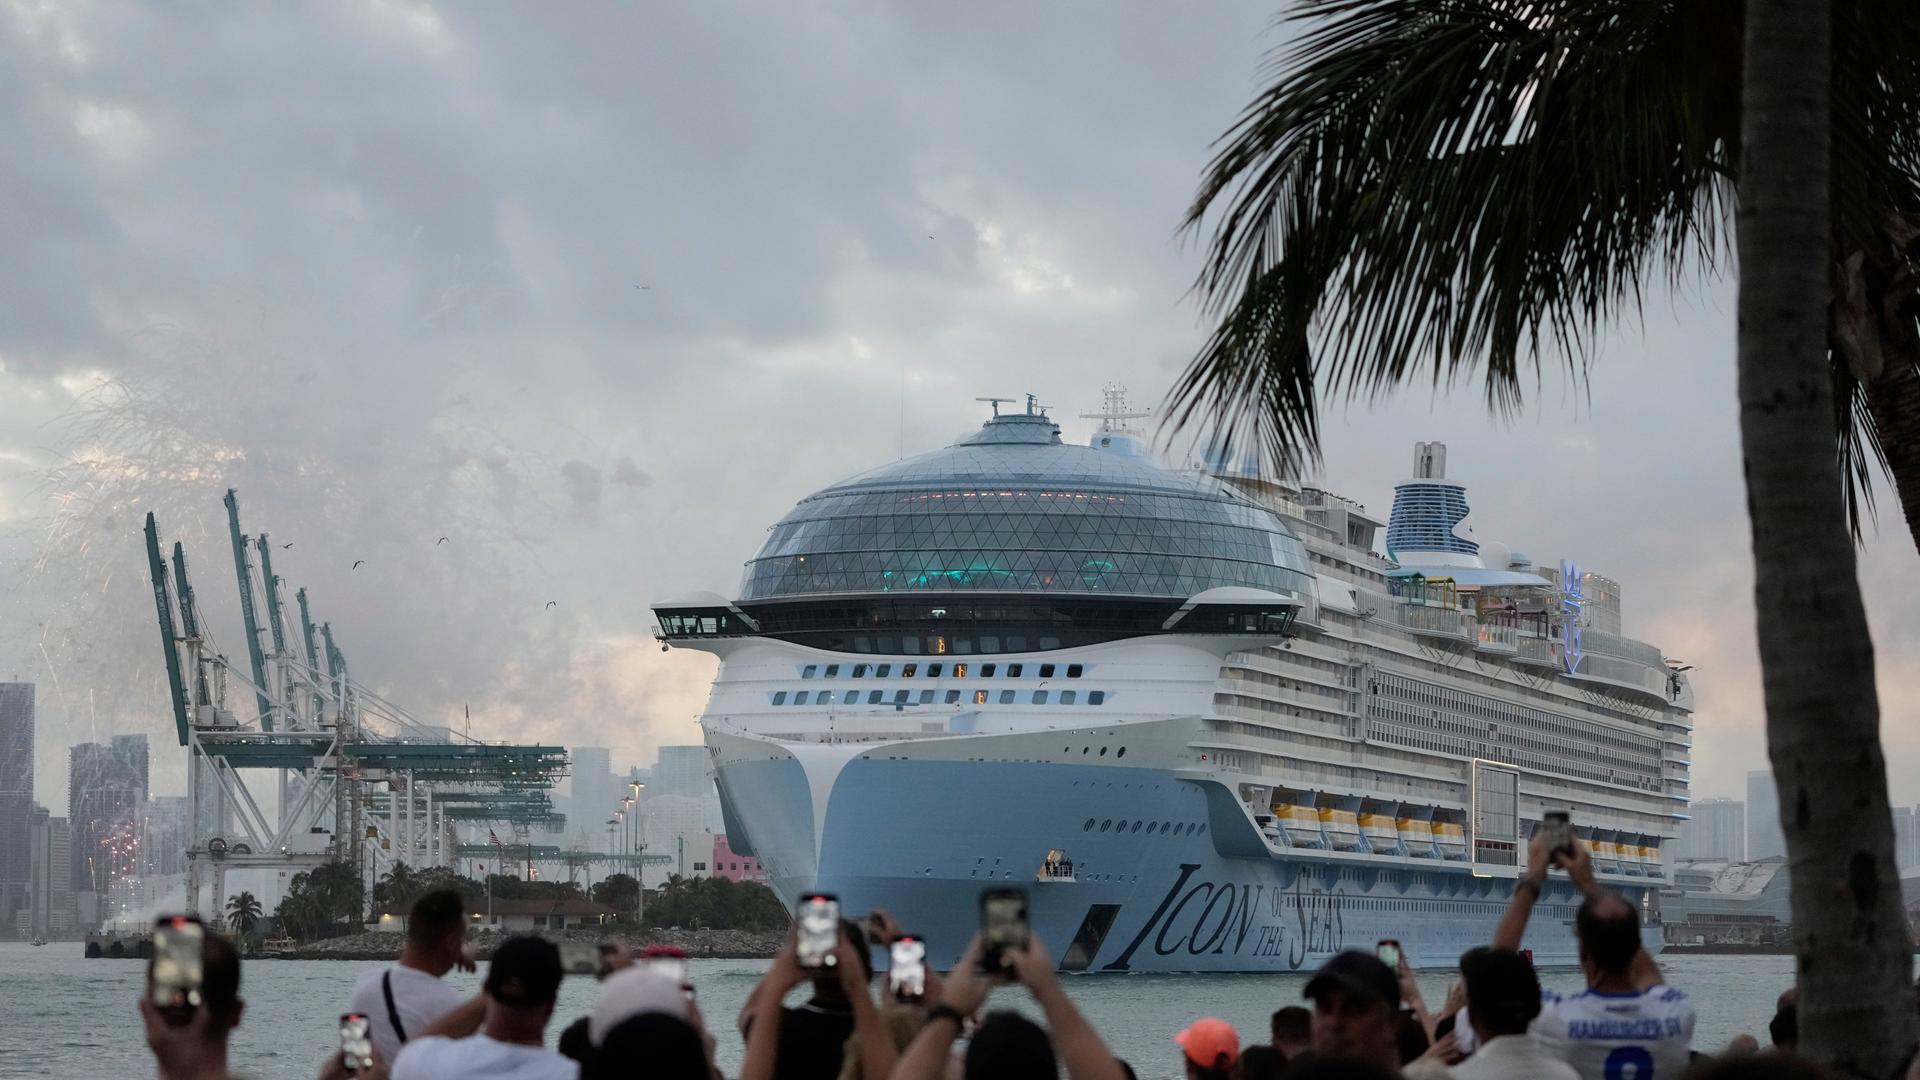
{"x":397,"y":887}
{"x":716,"y":902}
{"x":244,"y":913}
{"x":1433,"y":187}
{"x":618,"y":891}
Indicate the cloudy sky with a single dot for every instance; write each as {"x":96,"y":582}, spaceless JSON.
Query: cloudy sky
{"x":598,"y":297}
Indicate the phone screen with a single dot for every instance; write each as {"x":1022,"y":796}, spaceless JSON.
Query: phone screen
{"x":1389,"y":953}
{"x":174,"y":976}
{"x":1559,"y":828}
{"x":907,"y":974}
{"x":356,"y":1041}
{"x":1003,"y":926}
{"x":819,"y":930}
{"x":580,"y":958}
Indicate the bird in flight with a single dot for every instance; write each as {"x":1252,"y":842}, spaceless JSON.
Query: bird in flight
{"x":642,"y":288}
{"x":551,"y":603}
{"x":286,"y":545}
{"x":440,"y":541}
{"x":357,"y":562}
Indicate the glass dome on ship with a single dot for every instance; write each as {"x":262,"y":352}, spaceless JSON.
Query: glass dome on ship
{"x":1012,"y":540}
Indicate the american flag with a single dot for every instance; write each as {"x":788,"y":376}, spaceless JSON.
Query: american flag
{"x":494,"y":839}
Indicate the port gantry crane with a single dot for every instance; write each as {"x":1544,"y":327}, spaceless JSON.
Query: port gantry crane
{"x":354,"y":777}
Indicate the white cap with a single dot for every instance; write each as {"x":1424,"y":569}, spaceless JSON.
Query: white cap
{"x":630,"y":993}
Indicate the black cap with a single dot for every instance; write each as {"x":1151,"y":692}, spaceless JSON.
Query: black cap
{"x":525,"y":971}
{"x":1359,"y":974}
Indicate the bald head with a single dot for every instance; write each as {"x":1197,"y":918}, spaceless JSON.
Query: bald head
{"x":1609,"y":932}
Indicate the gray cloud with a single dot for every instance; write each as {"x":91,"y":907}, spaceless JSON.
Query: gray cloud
{"x":375,"y":265}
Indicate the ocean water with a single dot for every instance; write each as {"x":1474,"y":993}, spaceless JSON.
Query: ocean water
{"x":65,"y":1016}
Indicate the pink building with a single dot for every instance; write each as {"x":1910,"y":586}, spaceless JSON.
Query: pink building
{"x":733,"y":866}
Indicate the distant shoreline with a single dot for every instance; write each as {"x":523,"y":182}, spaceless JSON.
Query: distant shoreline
{"x":699,"y":944}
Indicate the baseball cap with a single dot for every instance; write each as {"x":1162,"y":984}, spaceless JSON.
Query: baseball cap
{"x":1210,"y":1043}
{"x":1359,"y":974}
{"x":636,"y":991}
{"x":524,"y":971}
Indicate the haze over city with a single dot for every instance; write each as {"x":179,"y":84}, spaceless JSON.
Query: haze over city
{"x":489,"y":294}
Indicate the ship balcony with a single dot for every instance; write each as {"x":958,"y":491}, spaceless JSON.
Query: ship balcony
{"x":1437,"y":622}
{"x":1055,"y":869}
{"x":1493,"y":638}
{"x":1544,"y":652}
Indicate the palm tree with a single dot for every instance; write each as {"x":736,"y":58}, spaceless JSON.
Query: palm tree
{"x":244,"y":913}
{"x":1432,"y":185}
{"x":1816,"y":658}
{"x":1451,"y":182}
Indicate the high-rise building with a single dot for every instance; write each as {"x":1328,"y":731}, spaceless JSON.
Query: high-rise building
{"x":676,"y":826}
{"x":1906,"y":836}
{"x":50,"y":910}
{"x":596,"y":791}
{"x":106,"y":783}
{"x":682,"y":770}
{"x":163,"y":836}
{"x":1718,"y":831}
{"x":1764,"y":838}
{"x":16,"y":798}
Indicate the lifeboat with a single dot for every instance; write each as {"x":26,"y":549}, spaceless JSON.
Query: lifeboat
{"x":1606,"y":851}
{"x":1342,"y":827}
{"x":1451,"y":838}
{"x":1381,"y":835}
{"x":1416,"y":832}
{"x":1299,"y":823}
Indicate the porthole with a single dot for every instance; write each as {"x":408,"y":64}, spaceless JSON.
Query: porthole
{"x":1136,"y":826}
{"x":1122,"y":752}
{"x":1165,"y":826}
{"x":1203,"y":828}
{"x":1084,"y":749}
{"x":1122,"y":827}
{"x":1103,"y":751}
{"x":1088,"y":827}
{"x":1107,"y":824}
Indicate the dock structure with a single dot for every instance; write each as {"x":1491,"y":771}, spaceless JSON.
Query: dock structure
{"x":293,"y":765}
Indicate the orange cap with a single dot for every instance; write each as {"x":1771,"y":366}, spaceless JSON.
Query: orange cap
{"x":1210,"y":1043}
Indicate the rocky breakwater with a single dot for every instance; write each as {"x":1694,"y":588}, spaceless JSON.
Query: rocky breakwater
{"x":702,"y":944}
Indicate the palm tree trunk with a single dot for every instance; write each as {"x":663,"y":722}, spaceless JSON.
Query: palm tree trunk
{"x":1850,"y":934}
{"x":1893,"y":400}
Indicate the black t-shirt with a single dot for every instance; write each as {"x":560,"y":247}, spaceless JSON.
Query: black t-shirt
{"x":812,"y":1037}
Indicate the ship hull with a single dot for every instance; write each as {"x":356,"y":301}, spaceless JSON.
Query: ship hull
{"x":1168,"y":873}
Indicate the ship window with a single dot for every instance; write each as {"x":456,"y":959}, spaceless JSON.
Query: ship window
{"x":859,"y":671}
{"x":853,"y":697}
{"x":800,"y":698}
{"x":1203,"y":828}
{"x":926,"y":697}
{"x":900,"y":696}
{"x":953,"y":697}
{"x":959,"y":671}
{"x":1067,"y":697}
{"x":1013,"y":670}
{"x":1107,"y":824}
{"x":1074,"y":670}
{"x":986,"y":670}
{"x":989,"y":643}
{"x":979,"y":697}
{"x":1122,"y":752}
{"x":1048,"y":644}
{"x":1088,"y":827}
{"x":809,"y":671}
{"x":1046,"y":671}
{"x":1016,"y":643}
{"x":1006,"y":697}
{"x":873,"y":698}
{"x":1103,"y":751}
{"x":1096,"y":697}
{"x":779,"y":697}
{"x":933,"y":671}
{"x":1039,"y":697}
{"x":833,"y":671}
{"x":1164,"y":826}
{"x":883,"y":671}
{"x":1136,"y":826}
{"x":907,"y":670}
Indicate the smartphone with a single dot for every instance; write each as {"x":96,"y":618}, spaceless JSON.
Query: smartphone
{"x":907,"y":974}
{"x":175,"y":973}
{"x":1003,"y":927}
{"x":581,"y":958}
{"x":819,"y":915}
{"x":1559,"y":826}
{"x":1388,"y":950}
{"x":356,"y":1041}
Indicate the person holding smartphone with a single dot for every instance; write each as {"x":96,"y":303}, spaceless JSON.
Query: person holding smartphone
{"x":808,"y":1041}
{"x":189,"y":1038}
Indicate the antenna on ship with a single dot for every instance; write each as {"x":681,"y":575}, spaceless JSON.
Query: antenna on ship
{"x":996,"y":402}
{"x":1113,"y":409}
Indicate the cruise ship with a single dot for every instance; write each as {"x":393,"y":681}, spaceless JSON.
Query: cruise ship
{"x":1192,"y":711}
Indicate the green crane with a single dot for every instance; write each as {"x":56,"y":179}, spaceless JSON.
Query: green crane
{"x":244,"y":573}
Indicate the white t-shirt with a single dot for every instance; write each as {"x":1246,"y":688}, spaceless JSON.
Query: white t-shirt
{"x":420,"y":999}
{"x":1631,"y":1036}
{"x":480,"y":1058}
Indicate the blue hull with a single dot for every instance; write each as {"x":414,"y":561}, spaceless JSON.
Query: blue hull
{"x":1170,"y":877}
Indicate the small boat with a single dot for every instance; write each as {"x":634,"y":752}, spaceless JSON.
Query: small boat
{"x":39,"y":941}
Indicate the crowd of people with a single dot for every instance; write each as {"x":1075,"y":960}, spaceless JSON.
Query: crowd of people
{"x":1362,"y":1018}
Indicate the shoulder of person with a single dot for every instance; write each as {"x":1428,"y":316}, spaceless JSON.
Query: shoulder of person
{"x":419,"y":1054}
{"x":1426,"y":1069}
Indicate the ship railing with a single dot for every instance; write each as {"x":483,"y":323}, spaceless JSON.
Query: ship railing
{"x":1441,"y":621}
